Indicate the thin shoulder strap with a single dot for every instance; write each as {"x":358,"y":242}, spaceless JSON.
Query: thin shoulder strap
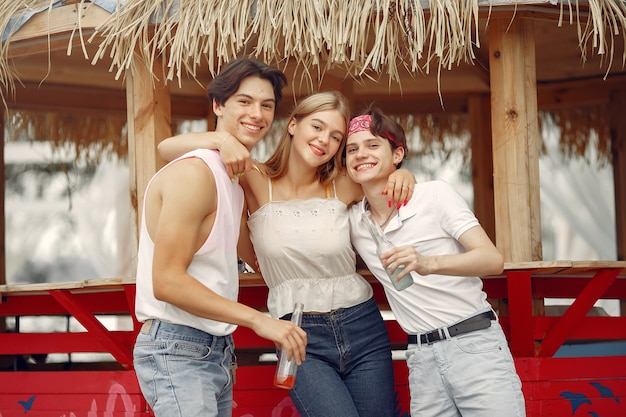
{"x":269,"y":188}
{"x":328,"y":190}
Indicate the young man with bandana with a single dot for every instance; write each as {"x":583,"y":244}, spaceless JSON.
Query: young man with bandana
{"x":458,"y":357}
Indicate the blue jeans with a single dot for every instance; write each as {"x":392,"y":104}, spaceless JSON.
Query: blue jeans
{"x":472,"y":374}
{"x":184,"y":371}
{"x":348,"y":369}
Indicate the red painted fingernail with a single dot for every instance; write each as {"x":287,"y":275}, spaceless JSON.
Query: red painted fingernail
{"x":406,"y":201}
{"x":389,"y":202}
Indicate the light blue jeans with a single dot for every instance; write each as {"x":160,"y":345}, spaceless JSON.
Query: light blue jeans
{"x":348,"y":369}
{"x":472,"y":374}
{"x":184,"y":372}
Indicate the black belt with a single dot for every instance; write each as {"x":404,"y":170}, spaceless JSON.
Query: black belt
{"x":477,"y":322}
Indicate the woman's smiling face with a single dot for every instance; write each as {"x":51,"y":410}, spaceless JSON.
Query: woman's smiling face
{"x":317,"y":137}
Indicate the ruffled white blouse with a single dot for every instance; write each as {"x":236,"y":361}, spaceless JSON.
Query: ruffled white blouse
{"x":305,"y":255}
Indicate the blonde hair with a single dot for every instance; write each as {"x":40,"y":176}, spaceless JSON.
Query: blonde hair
{"x":276,"y":165}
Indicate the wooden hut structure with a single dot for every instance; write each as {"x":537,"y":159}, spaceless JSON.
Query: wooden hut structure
{"x":119,"y":73}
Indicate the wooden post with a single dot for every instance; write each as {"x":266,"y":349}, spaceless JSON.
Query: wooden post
{"x":479,"y":115}
{"x":149,"y":122}
{"x":479,"y":111}
{"x":618,"y":153}
{"x":3,"y":266}
{"x":3,"y":249}
{"x":515,"y":139}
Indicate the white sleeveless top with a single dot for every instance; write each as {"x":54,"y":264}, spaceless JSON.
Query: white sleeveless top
{"x":305,"y":255}
{"x":214,"y":264}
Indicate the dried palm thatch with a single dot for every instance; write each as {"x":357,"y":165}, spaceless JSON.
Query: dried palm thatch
{"x":88,"y":136}
{"x":582,"y":131}
{"x":365,"y":38}
{"x":362,"y":37}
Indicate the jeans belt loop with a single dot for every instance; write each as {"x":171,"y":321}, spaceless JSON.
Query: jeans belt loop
{"x":145,"y":327}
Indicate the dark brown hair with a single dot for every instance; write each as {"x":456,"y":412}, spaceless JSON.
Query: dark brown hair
{"x":386,"y":127}
{"x":227,"y":82}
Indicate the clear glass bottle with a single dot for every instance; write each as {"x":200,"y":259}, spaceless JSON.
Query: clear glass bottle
{"x":285,"y":376}
{"x":384,"y":245}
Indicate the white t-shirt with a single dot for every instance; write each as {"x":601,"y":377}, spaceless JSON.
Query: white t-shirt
{"x":432,"y":222}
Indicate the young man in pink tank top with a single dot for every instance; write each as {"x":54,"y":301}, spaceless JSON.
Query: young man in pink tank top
{"x":187,"y":276}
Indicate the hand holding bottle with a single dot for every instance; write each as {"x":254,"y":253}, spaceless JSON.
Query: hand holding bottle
{"x":384,"y":245}
{"x":285,"y":376}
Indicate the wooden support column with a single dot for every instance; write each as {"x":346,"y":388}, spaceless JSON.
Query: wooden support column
{"x":618,"y":153}
{"x":515,"y":132}
{"x":3,"y":265}
{"x":149,"y":122}
{"x":479,"y":115}
{"x":3,"y":249}
{"x":479,"y":110}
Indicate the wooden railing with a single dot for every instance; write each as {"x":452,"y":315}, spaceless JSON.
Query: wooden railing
{"x":518,"y":294}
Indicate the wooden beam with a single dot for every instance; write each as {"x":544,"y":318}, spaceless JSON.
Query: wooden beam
{"x":78,"y":100}
{"x":515,"y":140}
{"x":149,"y":122}
{"x":414,"y":103}
{"x":53,"y":29}
{"x":577,"y":93}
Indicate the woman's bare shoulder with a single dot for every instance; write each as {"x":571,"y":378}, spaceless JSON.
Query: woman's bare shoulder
{"x":347,"y":190}
{"x":255,"y":186}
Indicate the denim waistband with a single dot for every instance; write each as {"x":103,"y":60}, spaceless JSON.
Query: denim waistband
{"x":164,"y":330}
{"x":366,"y":307}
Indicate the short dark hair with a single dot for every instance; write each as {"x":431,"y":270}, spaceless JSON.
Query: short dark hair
{"x":384,"y":126}
{"x":227,"y":82}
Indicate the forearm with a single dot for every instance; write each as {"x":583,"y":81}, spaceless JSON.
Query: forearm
{"x":187,"y":293}
{"x":477,"y":262}
{"x":175,"y":146}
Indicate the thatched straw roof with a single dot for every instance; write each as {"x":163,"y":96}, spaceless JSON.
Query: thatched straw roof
{"x":363,"y":38}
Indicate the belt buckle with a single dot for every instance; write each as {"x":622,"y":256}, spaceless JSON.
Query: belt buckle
{"x":435,"y":334}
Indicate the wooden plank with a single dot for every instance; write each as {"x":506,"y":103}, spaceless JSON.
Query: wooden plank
{"x":552,"y":369}
{"x":94,"y":284}
{"x":557,"y":335}
{"x":479,"y":109}
{"x":594,"y":91}
{"x":74,"y":342}
{"x":149,"y":122}
{"x":120,"y":351}
{"x":120,"y":388}
{"x":55,"y":28}
{"x":521,"y":324}
{"x":515,"y":139}
{"x":588,"y":329}
{"x":538,"y":266}
{"x":36,"y":304}
{"x":564,"y":267}
{"x":570,"y":287}
{"x":58,"y":402}
{"x":618,"y":152}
